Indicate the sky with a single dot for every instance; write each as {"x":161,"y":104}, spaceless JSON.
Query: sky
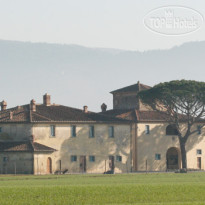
{"x":115,"y":24}
{"x":93,"y":23}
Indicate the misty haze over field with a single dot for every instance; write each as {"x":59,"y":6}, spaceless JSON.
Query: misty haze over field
{"x":76,"y":75}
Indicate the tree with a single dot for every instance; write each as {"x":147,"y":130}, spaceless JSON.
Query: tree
{"x":180,"y":103}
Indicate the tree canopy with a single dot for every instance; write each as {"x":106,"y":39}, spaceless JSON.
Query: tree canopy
{"x":183,"y":97}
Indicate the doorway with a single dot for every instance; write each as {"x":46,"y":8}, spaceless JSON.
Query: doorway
{"x":82,"y":164}
{"x":199,"y":162}
{"x":111,"y":163}
{"x":49,"y":165}
{"x":172,"y":158}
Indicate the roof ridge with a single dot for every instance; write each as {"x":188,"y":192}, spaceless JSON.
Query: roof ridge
{"x":14,"y":108}
{"x":132,"y":88}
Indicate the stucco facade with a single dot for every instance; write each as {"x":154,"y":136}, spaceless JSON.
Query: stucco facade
{"x":158,"y":143}
{"x":101,"y":146}
{"x":15,"y":131}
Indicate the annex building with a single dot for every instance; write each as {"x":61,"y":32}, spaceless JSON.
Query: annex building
{"x":155,"y":143}
{"x":49,"y":138}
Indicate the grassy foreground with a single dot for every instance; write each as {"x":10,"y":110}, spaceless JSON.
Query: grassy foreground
{"x":162,"y":188}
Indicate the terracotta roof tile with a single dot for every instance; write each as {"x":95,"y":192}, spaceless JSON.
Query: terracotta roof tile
{"x":132,"y":88}
{"x":136,"y":115}
{"x":20,"y":114}
{"x":150,"y":116}
{"x":141,"y":116}
{"x":37,"y":147}
{"x":128,"y":114}
{"x":24,"y":146}
{"x":53,"y":113}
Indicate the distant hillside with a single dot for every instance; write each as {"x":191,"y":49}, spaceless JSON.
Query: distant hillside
{"x":77,"y":75}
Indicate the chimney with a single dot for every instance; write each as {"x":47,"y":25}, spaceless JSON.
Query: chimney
{"x":103,"y":107}
{"x":47,"y":100}
{"x":3,"y":105}
{"x":11,"y":114}
{"x":138,"y":83}
{"x":85,"y":109}
{"x":33,"y":105}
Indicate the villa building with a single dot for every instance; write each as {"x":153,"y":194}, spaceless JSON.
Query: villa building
{"x":48,"y":138}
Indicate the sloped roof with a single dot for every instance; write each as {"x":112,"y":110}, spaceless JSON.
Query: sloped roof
{"x":142,"y":116}
{"x":53,"y":113}
{"x":127,"y":114}
{"x":132,"y":88}
{"x":20,"y":114}
{"x":24,"y":146}
{"x":150,"y":116}
{"x":136,"y":115}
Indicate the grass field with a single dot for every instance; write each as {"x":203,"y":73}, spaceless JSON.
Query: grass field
{"x":161,"y":188}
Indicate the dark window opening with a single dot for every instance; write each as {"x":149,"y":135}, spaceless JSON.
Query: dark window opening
{"x":53,"y":130}
{"x":92,"y":158}
{"x":111,"y":132}
{"x":73,"y":158}
{"x":73,"y":131}
{"x":171,"y":130}
{"x":92,"y":132}
{"x":119,"y":158}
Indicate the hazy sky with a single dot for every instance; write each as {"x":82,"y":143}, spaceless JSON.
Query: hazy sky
{"x":93,"y":23}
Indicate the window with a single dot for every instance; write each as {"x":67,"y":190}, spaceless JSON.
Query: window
{"x":147,"y":131}
{"x":92,"y":132}
{"x":111,"y":132}
{"x":73,"y":131}
{"x":5,"y":159}
{"x":199,"y":129}
{"x":157,"y":156}
{"x":119,"y":158}
{"x":92,"y":158}
{"x":53,"y":130}
{"x":198,"y":151}
{"x":73,"y":158}
{"x":171,"y":130}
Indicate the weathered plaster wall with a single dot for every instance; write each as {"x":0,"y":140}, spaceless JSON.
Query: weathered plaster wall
{"x":15,"y":132}
{"x":157,"y":142}
{"x":125,"y":101}
{"x":101,"y":146}
{"x":196,"y":141}
{"x":19,"y":163}
{"x":128,"y":101}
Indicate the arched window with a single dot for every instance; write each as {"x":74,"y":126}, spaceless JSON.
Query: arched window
{"x":171,"y":130}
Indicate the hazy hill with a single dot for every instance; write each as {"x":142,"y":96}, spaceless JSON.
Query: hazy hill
{"x":76,"y":75}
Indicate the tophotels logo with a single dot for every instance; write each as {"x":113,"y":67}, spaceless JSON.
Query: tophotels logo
{"x":173,"y":20}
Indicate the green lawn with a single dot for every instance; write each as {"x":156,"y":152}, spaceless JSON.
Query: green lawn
{"x":162,"y":188}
